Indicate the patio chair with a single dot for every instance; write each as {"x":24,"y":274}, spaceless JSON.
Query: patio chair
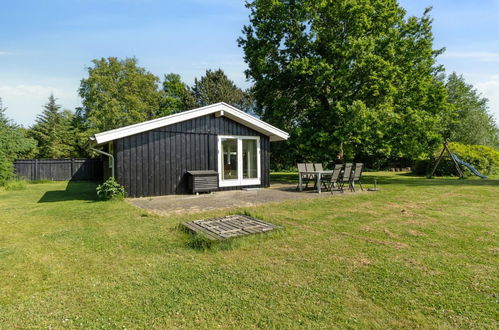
{"x":345,"y":177}
{"x":355,"y":177}
{"x":305,"y":178}
{"x":333,"y":180}
{"x":318,"y":167}
{"x":310,"y":168}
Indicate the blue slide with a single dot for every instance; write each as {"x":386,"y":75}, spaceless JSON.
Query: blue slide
{"x":472,"y":169}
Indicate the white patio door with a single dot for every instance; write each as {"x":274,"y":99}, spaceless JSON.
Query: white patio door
{"x":239,"y":160}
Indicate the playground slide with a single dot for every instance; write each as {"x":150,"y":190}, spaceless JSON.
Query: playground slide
{"x":472,"y":169}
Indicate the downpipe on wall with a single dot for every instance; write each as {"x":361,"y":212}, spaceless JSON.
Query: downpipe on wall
{"x":111,"y":158}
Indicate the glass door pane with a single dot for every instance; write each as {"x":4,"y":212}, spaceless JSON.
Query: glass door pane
{"x":250,"y":159}
{"x":229,"y":159}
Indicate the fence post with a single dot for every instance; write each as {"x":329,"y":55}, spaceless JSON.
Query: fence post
{"x":36,"y":170}
{"x":72,"y":168}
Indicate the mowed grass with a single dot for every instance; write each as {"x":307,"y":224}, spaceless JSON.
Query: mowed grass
{"x":418,"y":253}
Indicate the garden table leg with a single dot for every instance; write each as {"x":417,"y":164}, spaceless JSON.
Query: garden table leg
{"x":299,"y":181}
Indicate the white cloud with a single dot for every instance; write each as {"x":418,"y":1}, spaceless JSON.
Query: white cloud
{"x":4,"y":53}
{"x":480,"y":56}
{"x":490,"y":89}
{"x":25,"y":102}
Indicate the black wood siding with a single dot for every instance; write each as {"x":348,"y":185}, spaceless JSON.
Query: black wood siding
{"x":155,"y":163}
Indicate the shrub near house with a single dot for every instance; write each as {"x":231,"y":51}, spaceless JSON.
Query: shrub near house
{"x":110,"y":189}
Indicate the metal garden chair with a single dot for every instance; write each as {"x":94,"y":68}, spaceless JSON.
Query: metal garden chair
{"x":332,"y":182}
{"x":318,"y":167}
{"x":304,"y":176}
{"x":345,"y":177}
{"x":310,"y":168}
{"x":356,"y":176}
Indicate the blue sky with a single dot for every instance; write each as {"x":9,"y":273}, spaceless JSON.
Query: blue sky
{"x":46,"y":45}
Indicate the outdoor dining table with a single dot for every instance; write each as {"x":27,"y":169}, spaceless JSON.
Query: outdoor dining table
{"x":318,"y":174}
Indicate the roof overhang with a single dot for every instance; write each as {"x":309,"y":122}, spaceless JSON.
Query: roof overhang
{"x":219,"y":109}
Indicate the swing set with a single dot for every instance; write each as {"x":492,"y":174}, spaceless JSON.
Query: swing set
{"x":456,"y":162}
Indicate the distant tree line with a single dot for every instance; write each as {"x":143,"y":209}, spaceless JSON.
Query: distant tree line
{"x":117,"y":93}
{"x":348,"y":80}
{"x":14,"y":143}
{"x":471,"y":121}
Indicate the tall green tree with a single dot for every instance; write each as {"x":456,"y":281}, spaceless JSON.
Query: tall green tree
{"x":216,"y":87}
{"x":346,"y":78}
{"x":117,"y":93}
{"x":54,"y":132}
{"x":13,"y":144}
{"x":177,"y":95}
{"x":471,"y":122}
{"x":82,"y":131}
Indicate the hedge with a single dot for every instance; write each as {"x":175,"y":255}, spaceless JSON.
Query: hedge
{"x":6,"y":169}
{"x":484,"y":159}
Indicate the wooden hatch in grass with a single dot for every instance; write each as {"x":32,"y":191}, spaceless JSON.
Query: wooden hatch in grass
{"x":229,"y":226}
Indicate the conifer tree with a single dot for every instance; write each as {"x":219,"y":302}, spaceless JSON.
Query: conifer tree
{"x":53,"y":131}
{"x":216,"y":87}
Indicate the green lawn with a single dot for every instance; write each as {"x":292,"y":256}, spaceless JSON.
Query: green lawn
{"x":418,"y":253}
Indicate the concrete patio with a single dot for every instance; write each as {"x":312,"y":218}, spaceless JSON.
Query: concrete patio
{"x":178,"y":204}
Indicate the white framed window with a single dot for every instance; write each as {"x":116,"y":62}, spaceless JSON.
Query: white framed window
{"x":239,"y":160}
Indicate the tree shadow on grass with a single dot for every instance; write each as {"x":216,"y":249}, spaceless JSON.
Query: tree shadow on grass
{"x":400,"y":178}
{"x":409,"y":179}
{"x":75,"y":191}
{"x":284,"y":177}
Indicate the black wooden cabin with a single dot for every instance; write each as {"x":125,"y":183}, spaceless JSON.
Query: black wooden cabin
{"x":153,"y":158}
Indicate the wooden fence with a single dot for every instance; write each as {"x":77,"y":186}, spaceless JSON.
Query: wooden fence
{"x":59,"y":169}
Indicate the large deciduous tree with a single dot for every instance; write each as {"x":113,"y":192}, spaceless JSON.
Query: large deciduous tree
{"x":177,"y":95}
{"x":346,"y":78}
{"x":54,"y":132}
{"x":216,"y":87}
{"x":471,"y":123}
{"x":118,"y":93}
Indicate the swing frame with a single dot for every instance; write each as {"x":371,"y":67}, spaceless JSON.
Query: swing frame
{"x":446,"y":148}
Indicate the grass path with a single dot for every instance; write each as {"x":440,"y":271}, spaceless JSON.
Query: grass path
{"x":419,"y":253}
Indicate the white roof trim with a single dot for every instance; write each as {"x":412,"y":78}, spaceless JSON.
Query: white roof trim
{"x":223,"y":109}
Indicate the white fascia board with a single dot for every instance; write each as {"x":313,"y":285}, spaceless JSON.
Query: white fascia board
{"x":255,"y":123}
{"x":153,"y":124}
{"x":237,"y":115}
